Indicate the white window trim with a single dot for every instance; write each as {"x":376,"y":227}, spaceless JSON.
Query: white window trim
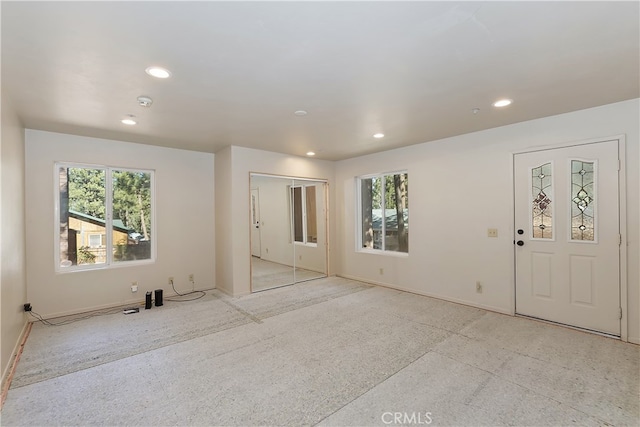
{"x":303,"y":196}
{"x":109,"y":263}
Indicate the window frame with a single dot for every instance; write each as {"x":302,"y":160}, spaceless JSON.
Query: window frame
{"x":303,"y":203}
{"x":100,"y":238}
{"x":108,"y":244}
{"x":358,"y":229}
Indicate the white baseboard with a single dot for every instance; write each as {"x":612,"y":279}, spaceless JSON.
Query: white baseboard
{"x":430,"y":295}
{"x":633,"y":340}
{"x":6,"y":370}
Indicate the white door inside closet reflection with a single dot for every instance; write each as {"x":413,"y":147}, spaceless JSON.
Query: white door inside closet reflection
{"x":256,"y":243}
{"x":567,"y":236}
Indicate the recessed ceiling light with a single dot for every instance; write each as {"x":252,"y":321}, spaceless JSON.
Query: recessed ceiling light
{"x":159,"y":72}
{"x":300,"y":113}
{"x":502,"y":102}
{"x":310,"y":153}
{"x":129,"y":120}
{"x":378,"y":135}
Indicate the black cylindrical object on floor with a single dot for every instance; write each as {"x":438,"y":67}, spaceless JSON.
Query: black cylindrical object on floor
{"x":147,"y":301}
{"x":158,"y":297}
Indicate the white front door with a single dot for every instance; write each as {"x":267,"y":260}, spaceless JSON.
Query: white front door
{"x":255,"y":223}
{"x":567,"y":236}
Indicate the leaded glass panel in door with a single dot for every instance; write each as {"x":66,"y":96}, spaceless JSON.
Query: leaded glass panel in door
{"x":583,"y":200}
{"x":542,"y":201}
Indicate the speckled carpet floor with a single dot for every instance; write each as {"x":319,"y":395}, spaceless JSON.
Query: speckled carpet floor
{"x":268,"y":275}
{"x":330,"y":352}
{"x":54,"y":351}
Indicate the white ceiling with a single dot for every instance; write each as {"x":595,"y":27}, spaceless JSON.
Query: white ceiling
{"x":412,"y":70}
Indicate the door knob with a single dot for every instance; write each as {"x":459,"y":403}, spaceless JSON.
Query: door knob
{"x":520,"y":243}
{"x":520,"y":231}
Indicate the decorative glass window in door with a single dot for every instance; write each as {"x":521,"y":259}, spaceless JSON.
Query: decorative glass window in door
{"x":583,"y":200}
{"x":542,"y":203}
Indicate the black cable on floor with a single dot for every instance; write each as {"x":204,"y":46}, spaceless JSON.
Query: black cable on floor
{"x":76,"y":319}
{"x":44,"y":321}
{"x":201,"y":294}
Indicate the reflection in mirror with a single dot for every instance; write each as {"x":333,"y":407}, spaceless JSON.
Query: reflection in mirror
{"x":288,"y":231}
{"x":309,"y":222}
{"x":312,"y":225}
{"x":303,"y":202}
{"x":298,"y":213}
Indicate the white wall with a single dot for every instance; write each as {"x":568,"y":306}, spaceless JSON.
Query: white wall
{"x":13,"y":291}
{"x":184,"y":215}
{"x":223,"y":220}
{"x":461,"y":186}
{"x":236,"y":239}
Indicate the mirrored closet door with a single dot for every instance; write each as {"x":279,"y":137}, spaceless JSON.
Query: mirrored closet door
{"x":288,"y":230}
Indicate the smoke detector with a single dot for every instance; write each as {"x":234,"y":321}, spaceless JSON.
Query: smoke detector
{"x":145,"y":101}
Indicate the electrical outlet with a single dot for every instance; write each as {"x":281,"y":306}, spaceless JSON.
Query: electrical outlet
{"x":191,"y":278}
{"x":134,"y":287}
{"x":478,"y":287}
{"x":492,"y":232}
{"x":170,"y":280}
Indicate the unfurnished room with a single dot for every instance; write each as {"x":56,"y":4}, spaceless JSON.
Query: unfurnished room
{"x":320,"y":213}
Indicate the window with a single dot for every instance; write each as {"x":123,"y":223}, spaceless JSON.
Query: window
{"x":95,"y":240}
{"x":542,"y":201}
{"x":94,"y":199}
{"x":583,"y":197}
{"x":303,"y":203}
{"x":384,"y":212}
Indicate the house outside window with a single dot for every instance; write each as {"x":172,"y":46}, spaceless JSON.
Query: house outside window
{"x":104,"y":217}
{"x":384,"y":212}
